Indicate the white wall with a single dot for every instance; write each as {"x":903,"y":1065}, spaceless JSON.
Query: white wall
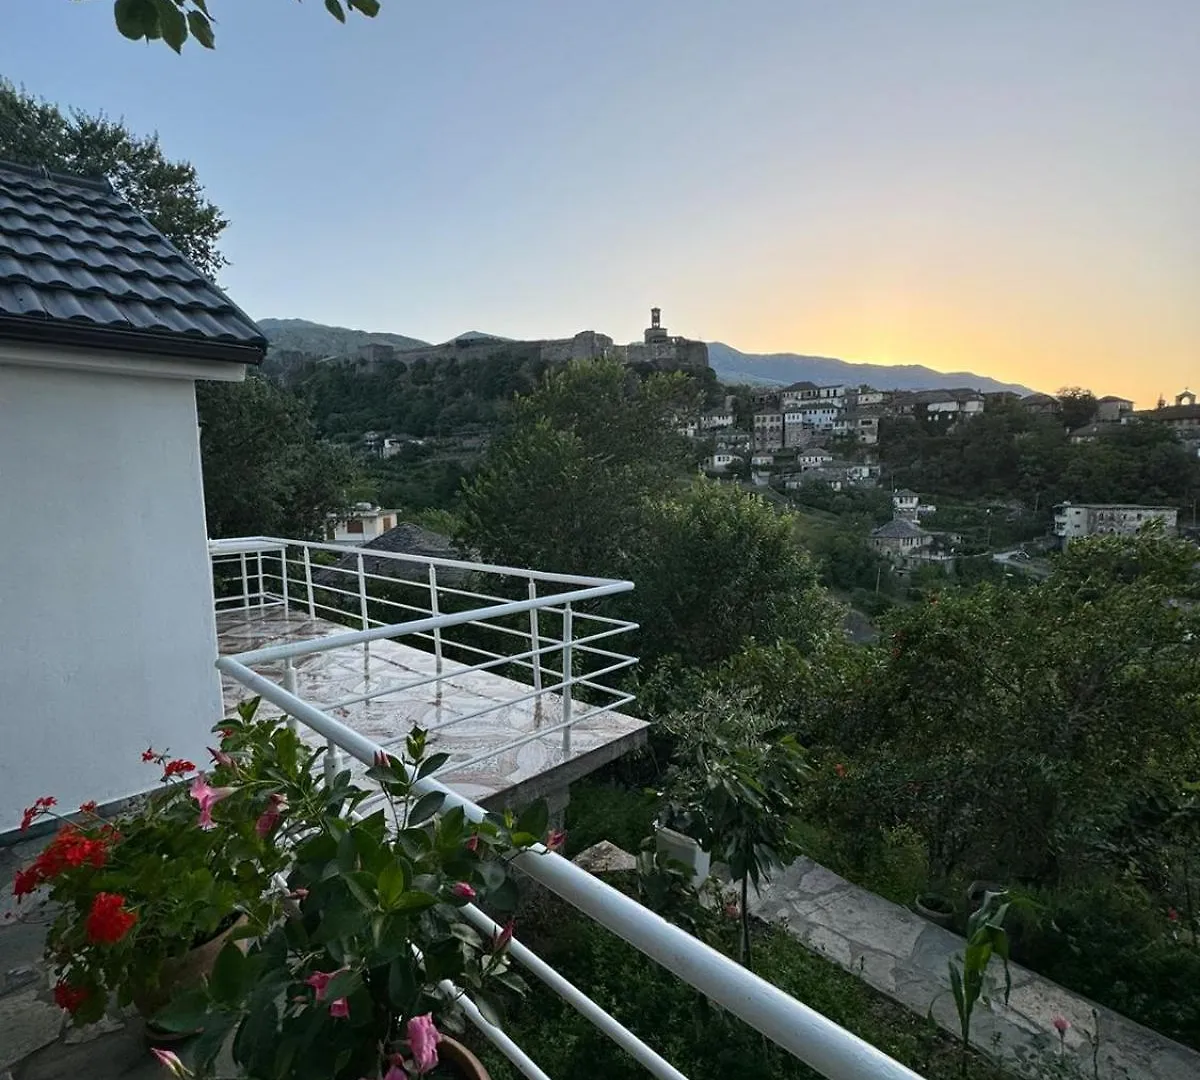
{"x":107,"y":638}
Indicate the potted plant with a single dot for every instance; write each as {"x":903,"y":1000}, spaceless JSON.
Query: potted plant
{"x":147,"y":899}
{"x":934,"y":906}
{"x":362,"y":978}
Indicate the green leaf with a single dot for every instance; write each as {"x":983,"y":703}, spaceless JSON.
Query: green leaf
{"x":188,"y":1011}
{"x":172,"y":24}
{"x":229,"y":974}
{"x":201,"y":28}
{"x":343,"y":984}
{"x":335,"y":9}
{"x":492,"y":873}
{"x":488,"y":1008}
{"x":414,"y":900}
{"x":370,"y":8}
{"x":431,"y":765}
{"x":425,"y":807}
{"x":136,"y":19}
{"x":534,"y":819}
{"x":402,"y":982}
{"x":391,"y":885}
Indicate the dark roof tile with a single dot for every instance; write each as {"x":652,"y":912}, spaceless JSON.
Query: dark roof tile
{"x":77,"y":262}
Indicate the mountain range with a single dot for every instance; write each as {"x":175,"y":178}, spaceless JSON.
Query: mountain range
{"x":730,"y":364}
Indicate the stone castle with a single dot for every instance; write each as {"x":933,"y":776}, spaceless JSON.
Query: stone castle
{"x":657,"y":349}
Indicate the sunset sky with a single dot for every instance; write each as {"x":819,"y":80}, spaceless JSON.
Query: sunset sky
{"x":1010,"y":187}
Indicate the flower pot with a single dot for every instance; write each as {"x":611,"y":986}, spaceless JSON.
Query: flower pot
{"x":681,"y":848}
{"x":934,"y":907}
{"x":456,"y":1059}
{"x":181,"y":973}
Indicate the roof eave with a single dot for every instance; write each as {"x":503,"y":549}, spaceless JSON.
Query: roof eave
{"x":57,"y":332}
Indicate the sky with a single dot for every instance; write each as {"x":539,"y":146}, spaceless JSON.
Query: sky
{"x":1010,"y":187}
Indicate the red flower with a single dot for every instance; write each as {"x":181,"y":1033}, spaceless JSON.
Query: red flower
{"x":39,"y":807}
{"x":339,"y":1009}
{"x":462,"y":890}
{"x":226,"y":732}
{"x":149,"y":754}
{"x":472,"y":843}
{"x":556,"y":839}
{"x":109,"y":921}
{"x":504,"y":937}
{"x":1172,"y":915}
{"x":25,"y":881}
{"x":270,"y":816}
{"x":88,"y":807}
{"x":70,"y":997}
{"x":178,"y":767}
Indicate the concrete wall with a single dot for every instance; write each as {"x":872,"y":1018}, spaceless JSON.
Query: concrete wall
{"x":107,"y":638}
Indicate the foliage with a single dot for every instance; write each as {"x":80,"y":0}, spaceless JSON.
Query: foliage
{"x":985,"y":935}
{"x":716,"y":565}
{"x":1077,"y":406}
{"x":174,"y":21}
{"x":735,"y":788}
{"x":168,"y":193}
{"x":376,"y":930}
{"x":265,"y":471}
{"x":153,"y":882}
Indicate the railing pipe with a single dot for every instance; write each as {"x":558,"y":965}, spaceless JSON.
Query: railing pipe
{"x":308,"y":583}
{"x":435,"y":612}
{"x":568,"y":678}
{"x":535,"y":644}
{"x":245,"y":582}
{"x":806,"y":1034}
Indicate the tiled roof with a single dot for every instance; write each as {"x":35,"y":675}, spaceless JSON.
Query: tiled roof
{"x":898,"y":529}
{"x":80,"y":266}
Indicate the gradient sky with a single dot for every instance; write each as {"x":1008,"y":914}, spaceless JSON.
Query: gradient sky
{"x":1006,"y":186}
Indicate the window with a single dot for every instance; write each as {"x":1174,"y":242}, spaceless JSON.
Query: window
{"x":354,"y":525}
{"x":387,"y":523}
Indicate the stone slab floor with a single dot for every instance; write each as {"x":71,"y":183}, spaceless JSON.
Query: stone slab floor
{"x":905,"y":957}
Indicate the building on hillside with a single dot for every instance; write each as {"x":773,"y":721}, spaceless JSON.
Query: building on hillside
{"x":904,"y":504}
{"x":1074,"y":521}
{"x":1093,"y":431}
{"x":993,"y":398}
{"x":814,"y":457}
{"x":866,"y":397}
{"x":1112,"y":409}
{"x":762,"y":459}
{"x":363,"y":523}
{"x":956,"y":403}
{"x":716,"y":420}
{"x":659,"y":349}
{"x":404,"y":539}
{"x":768,"y":430}
{"x":106,"y":617}
{"x":900,"y":538}
{"x":723,"y":461}
{"x":1041,"y":404}
{"x":1183,"y":417}
{"x":796,"y":393}
{"x":864,"y":474}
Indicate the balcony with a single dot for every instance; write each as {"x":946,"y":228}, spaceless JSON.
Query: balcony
{"x":511,"y":671}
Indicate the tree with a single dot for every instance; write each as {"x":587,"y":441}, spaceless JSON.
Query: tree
{"x":37,"y":132}
{"x":1078,"y":406}
{"x":265,"y":471}
{"x":174,"y":21}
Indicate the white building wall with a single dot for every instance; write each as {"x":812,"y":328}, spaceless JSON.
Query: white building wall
{"x":107,"y":637}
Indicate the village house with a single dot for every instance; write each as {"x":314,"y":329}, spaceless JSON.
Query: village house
{"x":900,"y":539}
{"x":723,"y":461}
{"x":904,"y":503}
{"x":1113,"y":410}
{"x":814,"y":457}
{"x":716,"y":420}
{"x":1073,"y":521}
{"x":768,"y":430}
{"x":796,"y":393}
{"x":364,"y":522}
{"x":1183,"y":417}
{"x":1041,"y":404}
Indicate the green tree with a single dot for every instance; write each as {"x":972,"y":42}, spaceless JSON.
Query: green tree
{"x":265,"y":471}
{"x":1078,"y":406}
{"x":37,"y":132}
{"x":174,"y":21}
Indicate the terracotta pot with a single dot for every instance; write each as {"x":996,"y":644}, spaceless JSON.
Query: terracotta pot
{"x":934,"y":907}
{"x":465,"y":1064}
{"x":182,"y":973}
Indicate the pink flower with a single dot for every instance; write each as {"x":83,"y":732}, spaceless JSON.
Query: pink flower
{"x":555,"y":840}
{"x":339,"y":1009}
{"x":504,"y":937}
{"x":318,"y":980}
{"x":270,"y":816}
{"x":207,"y":797}
{"x":462,"y":890}
{"x":171,"y":1060}
{"x":472,"y":843}
{"x":220,"y":757}
{"x":422,"y":1040}
{"x":396,"y":1071}
{"x":1061,"y":1025}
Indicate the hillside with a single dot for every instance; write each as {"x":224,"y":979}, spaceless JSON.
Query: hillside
{"x":317,"y":339}
{"x":733,"y":366}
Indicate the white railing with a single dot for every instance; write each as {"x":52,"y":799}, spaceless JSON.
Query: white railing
{"x":534,"y":627}
{"x":812,"y":1038}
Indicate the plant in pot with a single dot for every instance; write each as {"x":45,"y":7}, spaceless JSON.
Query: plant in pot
{"x":362,"y":978}
{"x":147,"y":898}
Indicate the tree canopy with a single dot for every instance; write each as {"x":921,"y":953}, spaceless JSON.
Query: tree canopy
{"x":169,"y":193}
{"x":174,"y":21}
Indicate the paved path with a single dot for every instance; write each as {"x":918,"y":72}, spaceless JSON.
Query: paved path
{"x":901,"y":954}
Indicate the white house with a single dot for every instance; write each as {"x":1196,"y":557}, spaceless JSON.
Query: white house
{"x":107,"y":634}
{"x":365,"y":522}
{"x":716,"y":420}
{"x":814,"y":457}
{"x":904,"y":503}
{"x":1072,"y":521}
{"x":722,"y":460}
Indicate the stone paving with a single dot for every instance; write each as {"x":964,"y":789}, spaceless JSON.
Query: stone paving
{"x":905,"y":957}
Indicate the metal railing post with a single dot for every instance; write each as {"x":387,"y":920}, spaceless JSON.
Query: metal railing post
{"x":331,"y":761}
{"x":245,"y":582}
{"x":435,"y":611}
{"x":568,"y":676}
{"x":283,"y":572}
{"x":366,"y":620}
{"x":262,"y":585}
{"x":312,"y":605}
{"x":535,"y":644}
{"x":289,"y":684}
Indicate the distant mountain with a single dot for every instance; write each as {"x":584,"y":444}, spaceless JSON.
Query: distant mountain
{"x":781,"y":369}
{"x":317,"y":339}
